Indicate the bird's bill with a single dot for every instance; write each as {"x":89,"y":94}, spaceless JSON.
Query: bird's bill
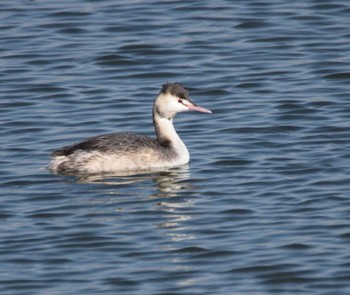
{"x":193,"y":107}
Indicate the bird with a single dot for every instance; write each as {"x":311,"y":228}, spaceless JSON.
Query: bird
{"x":115,"y":152}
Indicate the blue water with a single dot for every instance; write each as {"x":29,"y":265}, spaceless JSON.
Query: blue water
{"x":264,"y":205}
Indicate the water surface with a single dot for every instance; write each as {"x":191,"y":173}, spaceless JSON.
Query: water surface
{"x":262,"y":208}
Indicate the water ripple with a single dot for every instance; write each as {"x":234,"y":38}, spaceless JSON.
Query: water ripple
{"x":263,"y":206}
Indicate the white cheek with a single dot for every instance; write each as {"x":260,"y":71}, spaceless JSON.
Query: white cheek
{"x":175,"y":106}
{"x":182,"y":108}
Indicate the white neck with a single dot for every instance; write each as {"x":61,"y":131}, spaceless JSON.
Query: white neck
{"x":167,"y":136}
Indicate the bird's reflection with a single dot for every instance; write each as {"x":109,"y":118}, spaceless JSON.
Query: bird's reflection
{"x":172,"y":185}
{"x":170,"y":202}
{"x":168,"y":182}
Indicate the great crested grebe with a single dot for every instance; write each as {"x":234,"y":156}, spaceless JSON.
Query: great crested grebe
{"x":125,"y":151}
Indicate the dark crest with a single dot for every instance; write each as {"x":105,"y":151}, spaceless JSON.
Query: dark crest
{"x":175,"y":89}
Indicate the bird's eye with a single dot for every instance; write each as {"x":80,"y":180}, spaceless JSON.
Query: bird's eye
{"x":179,"y":101}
